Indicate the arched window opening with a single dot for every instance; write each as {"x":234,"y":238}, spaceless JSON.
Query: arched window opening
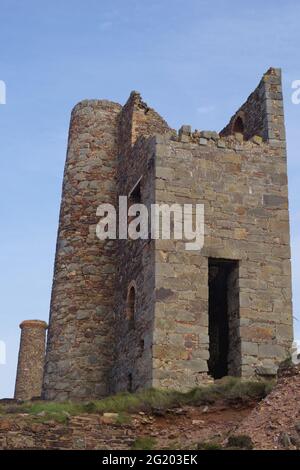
{"x":238,"y":126}
{"x":131,"y":300}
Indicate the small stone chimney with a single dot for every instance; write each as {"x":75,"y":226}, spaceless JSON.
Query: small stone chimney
{"x":31,"y":359}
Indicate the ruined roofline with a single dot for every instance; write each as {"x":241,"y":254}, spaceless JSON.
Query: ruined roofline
{"x":259,"y":118}
{"x":197,"y":138}
{"x":135,"y":100}
{"x":262,"y":113}
{"x":137,"y":120}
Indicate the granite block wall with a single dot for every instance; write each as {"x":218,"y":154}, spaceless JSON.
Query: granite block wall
{"x":135,"y":258}
{"x":81,"y":327}
{"x":243,"y":186}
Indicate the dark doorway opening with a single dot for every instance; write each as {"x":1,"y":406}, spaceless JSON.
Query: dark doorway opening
{"x":224,"y":318}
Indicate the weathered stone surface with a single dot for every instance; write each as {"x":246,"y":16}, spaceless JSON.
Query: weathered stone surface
{"x":266,"y":371}
{"x":129,"y":314}
{"x":273,"y":200}
{"x":83,"y":282}
{"x":31,"y":360}
{"x":249,"y":348}
{"x":238,"y":189}
{"x":209,"y":135}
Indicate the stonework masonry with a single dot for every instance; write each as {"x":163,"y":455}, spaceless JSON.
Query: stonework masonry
{"x":81,"y":329}
{"x":31,"y":360}
{"x":130,"y":314}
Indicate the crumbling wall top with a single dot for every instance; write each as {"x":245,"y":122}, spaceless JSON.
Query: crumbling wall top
{"x":138,"y":119}
{"x":262,"y":113}
{"x":33,"y":324}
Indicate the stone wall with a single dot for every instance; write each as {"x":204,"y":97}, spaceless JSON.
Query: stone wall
{"x":243,"y":186}
{"x":135,"y":268}
{"x":31,"y":360}
{"x":87,"y":324}
{"x":86,"y":432}
{"x":136,"y":165}
{"x":137,"y":119}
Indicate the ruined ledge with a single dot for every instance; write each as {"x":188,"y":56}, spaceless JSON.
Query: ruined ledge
{"x":213,"y":139}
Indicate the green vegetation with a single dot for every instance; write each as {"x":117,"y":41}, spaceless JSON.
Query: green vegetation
{"x":237,"y":442}
{"x":143,"y":443}
{"x":228,"y":389}
{"x":123,"y":418}
{"x":209,"y":445}
{"x":241,"y":441}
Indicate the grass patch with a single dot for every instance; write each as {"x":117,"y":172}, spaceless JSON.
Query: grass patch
{"x":241,"y":441}
{"x":230,"y":389}
{"x":209,"y":445}
{"x":46,"y":411}
{"x":61,"y":418}
{"x":51,"y":407}
{"x":123,"y":418}
{"x":145,"y":400}
{"x":144,"y":443}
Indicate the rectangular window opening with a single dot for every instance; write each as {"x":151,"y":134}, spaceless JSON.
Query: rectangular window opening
{"x":135,"y":197}
{"x":224,"y":318}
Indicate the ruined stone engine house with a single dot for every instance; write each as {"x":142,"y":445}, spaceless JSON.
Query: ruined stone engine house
{"x":130,"y":314}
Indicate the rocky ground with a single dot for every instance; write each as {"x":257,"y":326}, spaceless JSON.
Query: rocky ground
{"x":275,"y":422}
{"x":181,"y":428}
{"x":271,"y":423}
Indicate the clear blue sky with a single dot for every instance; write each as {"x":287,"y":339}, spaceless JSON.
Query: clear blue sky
{"x":194,"y":61}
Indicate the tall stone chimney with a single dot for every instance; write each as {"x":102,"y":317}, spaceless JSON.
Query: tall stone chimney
{"x":80,"y":343}
{"x":31,"y":359}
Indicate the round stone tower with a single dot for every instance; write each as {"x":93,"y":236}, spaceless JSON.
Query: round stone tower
{"x":80,"y":342}
{"x":31,"y":359}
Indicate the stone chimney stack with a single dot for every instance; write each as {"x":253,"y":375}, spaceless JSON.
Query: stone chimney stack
{"x":80,"y":343}
{"x":31,"y":359}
